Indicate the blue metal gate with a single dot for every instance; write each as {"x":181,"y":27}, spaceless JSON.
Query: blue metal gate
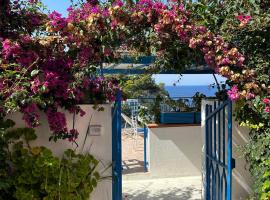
{"x":117,"y":149}
{"x":218,"y":151}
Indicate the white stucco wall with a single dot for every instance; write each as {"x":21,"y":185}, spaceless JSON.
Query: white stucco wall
{"x":175,"y":151}
{"x":99,"y":146}
{"x":242,"y":181}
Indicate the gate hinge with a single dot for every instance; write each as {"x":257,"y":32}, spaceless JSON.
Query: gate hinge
{"x":233,"y":163}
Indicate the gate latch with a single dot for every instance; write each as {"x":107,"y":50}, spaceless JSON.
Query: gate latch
{"x":233,"y":163}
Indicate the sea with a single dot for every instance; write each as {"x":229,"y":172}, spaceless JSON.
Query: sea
{"x":190,"y":90}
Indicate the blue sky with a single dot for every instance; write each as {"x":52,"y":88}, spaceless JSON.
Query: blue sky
{"x":189,"y":79}
{"x":58,"y":5}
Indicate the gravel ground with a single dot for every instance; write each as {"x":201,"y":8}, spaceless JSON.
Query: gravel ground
{"x":183,"y":188}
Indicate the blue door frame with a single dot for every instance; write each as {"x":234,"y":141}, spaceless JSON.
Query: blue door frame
{"x":218,"y":151}
{"x":117,"y":149}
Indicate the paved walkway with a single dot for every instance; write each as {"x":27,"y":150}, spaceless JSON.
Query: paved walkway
{"x":132,"y":153}
{"x":138,"y":186}
{"x":183,"y":188}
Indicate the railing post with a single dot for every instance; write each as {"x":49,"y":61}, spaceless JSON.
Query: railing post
{"x":145,"y":133}
{"x":207,"y":178}
{"x":117,"y":149}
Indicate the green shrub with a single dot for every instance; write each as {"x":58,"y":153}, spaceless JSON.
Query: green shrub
{"x":35,"y":173}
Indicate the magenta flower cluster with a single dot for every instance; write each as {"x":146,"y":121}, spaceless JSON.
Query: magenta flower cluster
{"x":52,"y":70}
{"x":233,"y":93}
{"x":266,"y":101}
{"x":31,"y":115}
{"x":104,"y":89}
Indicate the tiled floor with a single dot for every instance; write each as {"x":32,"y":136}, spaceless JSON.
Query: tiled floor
{"x":132,"y":153}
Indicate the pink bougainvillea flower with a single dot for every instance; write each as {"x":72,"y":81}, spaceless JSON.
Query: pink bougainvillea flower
{"x":6,"y":44}
{"x":113,"y":24}
{"x":248,"y":18}
{"x":266,"y":100}
{"x":10,"y":49}
{"x":157,"y":27}
{"x":57,"y":121}
{"x":107,"y":52}
{"x":93,"y":2}
{"x":25,"y":39}
{"x":118,"y":3}
{"x":267,"y":109}
{"x":57,"y":21}
{"x":32,"y":1}
{"x":34,"y":18}
{"x":233,"y":93}
{"x":250,"y":96}
{"x":95,"y":9}
{"x":78,"y":94}
{"x":77,"y":110}
{"x":244,"y":20}
{"x":31,"y":116}
{"x":105,"y":13}
{"x":240,"y":17}
{"x":35,"y":85}
{"x":27,"y":58}
{"x":225,"y":61}
{"x":85,"y":54}
{"x":240,"y":61}
{"x":73,"y":135}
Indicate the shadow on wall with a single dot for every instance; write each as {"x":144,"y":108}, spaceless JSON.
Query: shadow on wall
{"x":176,"y":151}
{"x":188,"y":141}
{"x":173,"y":194}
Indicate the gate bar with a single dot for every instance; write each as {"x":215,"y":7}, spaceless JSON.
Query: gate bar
{"x":229,"y":182}
{"x":207,"y":175}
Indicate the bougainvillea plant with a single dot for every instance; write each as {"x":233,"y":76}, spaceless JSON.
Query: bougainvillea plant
{"x":49,"y":65}
{"x":246,"y":24}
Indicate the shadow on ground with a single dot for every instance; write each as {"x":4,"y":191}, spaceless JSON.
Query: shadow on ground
{"x":132,"y":166}
{"x":186,"y":193}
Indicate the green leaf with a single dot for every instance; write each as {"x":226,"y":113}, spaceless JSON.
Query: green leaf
{"x":34,"y":72}
{"x":29,"y":134}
